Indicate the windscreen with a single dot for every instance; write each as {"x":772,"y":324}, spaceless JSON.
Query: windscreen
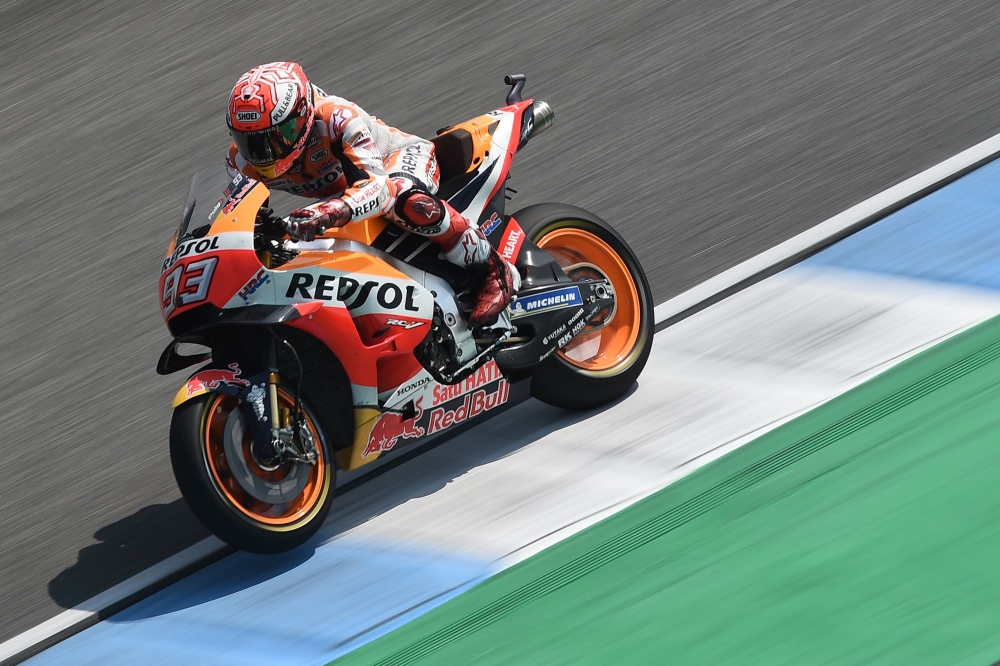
{"x":211,"y":188}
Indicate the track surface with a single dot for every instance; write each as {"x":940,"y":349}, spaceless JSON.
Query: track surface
{"x":706,"y":132}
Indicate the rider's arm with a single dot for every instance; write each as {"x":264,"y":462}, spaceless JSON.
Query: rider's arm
{"x":372,"y":193}
{"x":235,"y":164}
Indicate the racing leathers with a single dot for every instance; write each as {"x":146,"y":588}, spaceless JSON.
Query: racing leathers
{"x":359,"y":167}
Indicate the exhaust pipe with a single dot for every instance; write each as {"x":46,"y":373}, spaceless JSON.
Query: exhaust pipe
{"x":543,"y":116}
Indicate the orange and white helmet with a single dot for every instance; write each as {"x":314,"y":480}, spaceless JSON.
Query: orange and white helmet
{"x":271,"y":113}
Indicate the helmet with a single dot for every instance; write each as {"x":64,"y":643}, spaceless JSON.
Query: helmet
{"x":271,"y":113}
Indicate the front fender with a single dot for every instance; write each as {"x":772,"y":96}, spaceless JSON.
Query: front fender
{"x":213,"y":378}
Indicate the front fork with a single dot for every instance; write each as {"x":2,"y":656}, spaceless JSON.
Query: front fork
{"x":288,"y":438}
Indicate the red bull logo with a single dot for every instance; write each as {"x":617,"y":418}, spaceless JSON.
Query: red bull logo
{"x":209,"y":380}
{"x":389,"y":429}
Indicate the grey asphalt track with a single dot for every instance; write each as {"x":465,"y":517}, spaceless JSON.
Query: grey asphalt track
{"x":705,"y":131}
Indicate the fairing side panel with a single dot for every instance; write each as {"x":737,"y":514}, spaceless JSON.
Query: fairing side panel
{"x":368,"y":312}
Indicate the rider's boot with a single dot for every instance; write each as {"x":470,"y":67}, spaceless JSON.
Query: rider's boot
{"x":496,"y":282}
{"x":465,"y":246}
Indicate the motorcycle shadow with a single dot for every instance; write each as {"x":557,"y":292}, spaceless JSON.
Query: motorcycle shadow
{"x":125,"y":548}
{"x":427,"y":471}
{"x":424,"y":473}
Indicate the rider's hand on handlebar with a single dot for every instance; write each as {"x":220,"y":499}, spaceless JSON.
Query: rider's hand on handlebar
{"x":304,"y":224}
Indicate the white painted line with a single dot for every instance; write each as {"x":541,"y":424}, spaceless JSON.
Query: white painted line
{"x":838,"y":225}
{"x":87,"y":611}
{"x":798,"y":246}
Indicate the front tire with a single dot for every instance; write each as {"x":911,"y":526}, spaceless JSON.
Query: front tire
{"x":597,"y":367}
{"x":245,"y":505}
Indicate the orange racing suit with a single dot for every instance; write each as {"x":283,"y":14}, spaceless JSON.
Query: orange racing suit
{"x":356,"y":157}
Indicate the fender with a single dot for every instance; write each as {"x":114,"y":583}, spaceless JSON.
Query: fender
{"x":213,"y":378}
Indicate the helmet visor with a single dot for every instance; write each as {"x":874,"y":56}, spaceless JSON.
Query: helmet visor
{"x":274,"y":143}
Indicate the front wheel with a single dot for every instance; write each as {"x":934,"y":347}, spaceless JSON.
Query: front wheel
{"x":251,"y":507}
{"x":604,"y":360}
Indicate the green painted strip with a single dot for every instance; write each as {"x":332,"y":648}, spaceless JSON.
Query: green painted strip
{"x":577,"y":564}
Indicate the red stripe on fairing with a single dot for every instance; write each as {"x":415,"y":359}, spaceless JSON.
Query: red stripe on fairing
{"x":514,"y":139}
{"x":510,"y":244}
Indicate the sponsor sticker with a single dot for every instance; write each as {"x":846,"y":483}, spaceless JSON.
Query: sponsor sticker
{"x":351,"y":292}
{"x":403,"y":323}
{"x":553,"y":334}
{"x":510,"y":244}
{"x":367,"y":207}
{"x":527,"y":125}
{"x":253,"y":284}
{"x":319,"y":155}
{"x":188,"y":248}
{"x":209,"y":380}
{"x":473,"y":404}
{"x":390,"y":428}
{"x":483,"y":390}
{"x":255,"y":396}
{"x":279,"y":112}
{"x":491,"y":224}
{"x":237,"y":197}
{"x":319,"y":184}
{"x":364,"y":141}
{"x":247,"y":116}
{"x":487,"y":374}
{"x":549,"y":300}
{"x":409,"y":162}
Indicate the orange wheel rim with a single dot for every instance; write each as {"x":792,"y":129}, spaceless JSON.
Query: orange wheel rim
{"x":315,"y":481}
{"x":604,"y":350}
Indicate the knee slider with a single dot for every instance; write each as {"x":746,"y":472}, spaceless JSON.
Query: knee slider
{"x":420,"y":210}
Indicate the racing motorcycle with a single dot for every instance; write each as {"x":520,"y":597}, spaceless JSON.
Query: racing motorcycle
{"x":326,"y":355}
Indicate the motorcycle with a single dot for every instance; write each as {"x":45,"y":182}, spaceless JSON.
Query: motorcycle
{"x":327,"y":355}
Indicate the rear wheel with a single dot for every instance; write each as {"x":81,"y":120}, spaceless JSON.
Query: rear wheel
{"x":604,"y":360}
{"x":248,"y":505}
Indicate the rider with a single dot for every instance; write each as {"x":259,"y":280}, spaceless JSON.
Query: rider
{"x":292,"y":136}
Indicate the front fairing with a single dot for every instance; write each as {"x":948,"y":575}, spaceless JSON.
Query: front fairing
{"x":212,"y":255}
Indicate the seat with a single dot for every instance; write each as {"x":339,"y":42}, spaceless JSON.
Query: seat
{"x":454,"y":153}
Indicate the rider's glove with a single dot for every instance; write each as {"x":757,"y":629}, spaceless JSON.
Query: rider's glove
{"x":304,"y":224}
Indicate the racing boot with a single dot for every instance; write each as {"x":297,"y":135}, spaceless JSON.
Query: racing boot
{"x":462,"y":244}
{"x":497,"y":281}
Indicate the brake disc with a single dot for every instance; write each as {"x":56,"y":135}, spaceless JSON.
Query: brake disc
{"x":277,"y":491}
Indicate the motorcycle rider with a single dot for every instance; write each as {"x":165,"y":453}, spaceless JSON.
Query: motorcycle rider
{"x":292,"y":136}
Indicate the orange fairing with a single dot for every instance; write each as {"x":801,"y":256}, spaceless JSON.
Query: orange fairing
{"x":481,"y":128}
{"x":244,"y":214}
{"x":361,"y":339}
{"x":191,"y":273}
{"x":362,"y":231}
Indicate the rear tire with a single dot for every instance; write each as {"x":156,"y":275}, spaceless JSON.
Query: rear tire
{"x":596,"y":368}
{"x":221,"y":503}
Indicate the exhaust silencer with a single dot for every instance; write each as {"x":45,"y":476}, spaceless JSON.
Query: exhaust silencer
{"x":543,"y":116}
